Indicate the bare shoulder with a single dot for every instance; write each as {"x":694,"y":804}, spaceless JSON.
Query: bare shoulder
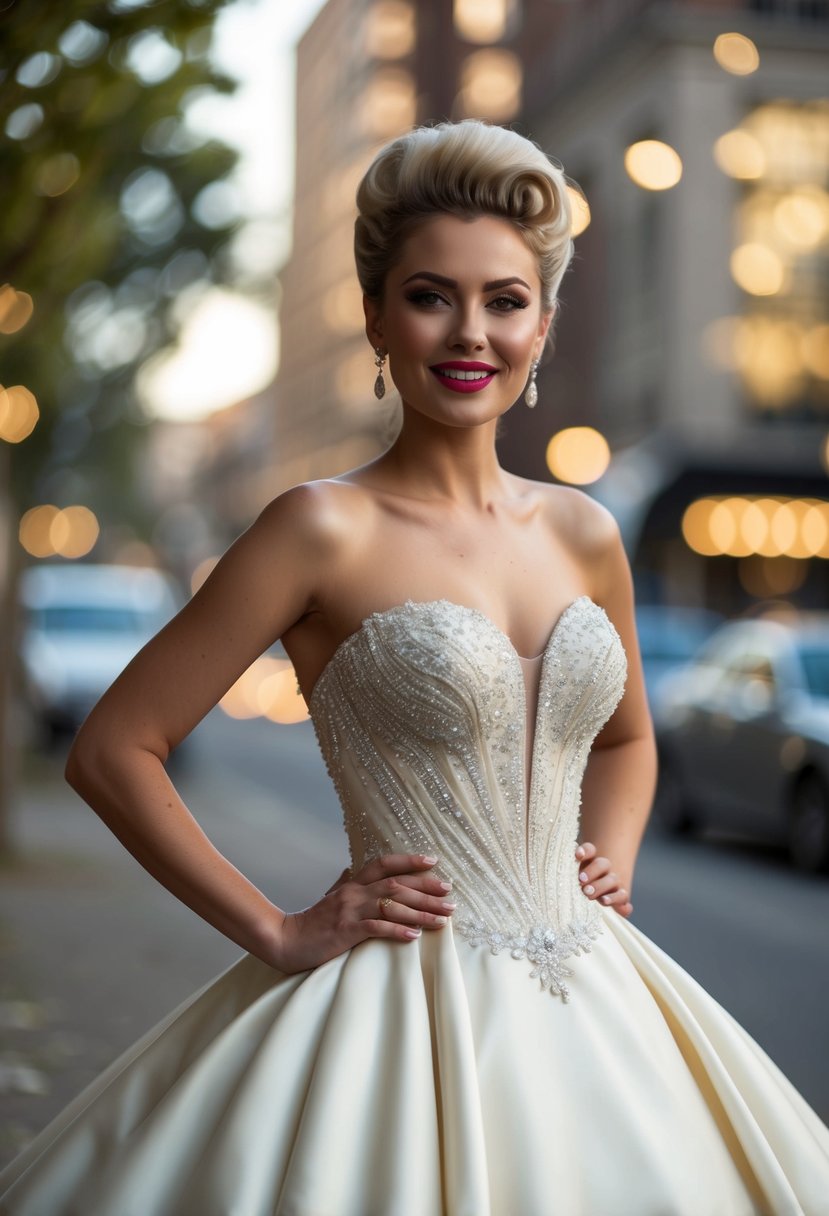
{"x":580,"y":522}
{"x":319,"y":516}
{"x":588,"y":533}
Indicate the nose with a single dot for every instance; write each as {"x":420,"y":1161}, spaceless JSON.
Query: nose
{"x":468,"y":331}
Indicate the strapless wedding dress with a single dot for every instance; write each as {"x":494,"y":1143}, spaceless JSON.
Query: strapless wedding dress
{"x":537,"y":1057}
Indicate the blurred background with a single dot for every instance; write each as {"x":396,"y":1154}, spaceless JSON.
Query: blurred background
{"x":181,"y":338}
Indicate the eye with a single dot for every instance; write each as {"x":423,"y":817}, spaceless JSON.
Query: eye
{"x":426,"y":299}
{"x":508,"y":303}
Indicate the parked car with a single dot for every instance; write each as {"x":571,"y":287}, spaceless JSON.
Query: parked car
{"x":743,"y":736}
{"x":82,"y":624}
{"x":669,"y":635}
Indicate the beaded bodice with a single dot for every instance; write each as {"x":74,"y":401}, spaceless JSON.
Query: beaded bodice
{"x":423,"y":719}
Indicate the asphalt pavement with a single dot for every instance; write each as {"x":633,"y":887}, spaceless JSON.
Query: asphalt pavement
{"x":93,"y":951}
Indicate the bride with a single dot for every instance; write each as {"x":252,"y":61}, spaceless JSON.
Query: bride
{"x":466,"y":1022}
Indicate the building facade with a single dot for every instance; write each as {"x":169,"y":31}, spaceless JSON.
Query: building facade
{"x":694,"y":329}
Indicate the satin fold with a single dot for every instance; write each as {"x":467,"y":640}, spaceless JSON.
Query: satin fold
{"x":415,"y":1080}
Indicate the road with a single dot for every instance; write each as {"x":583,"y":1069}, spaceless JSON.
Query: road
{"x":93,"y":952}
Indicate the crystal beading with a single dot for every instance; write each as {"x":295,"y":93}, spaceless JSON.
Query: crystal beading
{"x":421,"y":717}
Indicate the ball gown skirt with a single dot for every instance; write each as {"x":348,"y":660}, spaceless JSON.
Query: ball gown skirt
{"x":539,"y":1056}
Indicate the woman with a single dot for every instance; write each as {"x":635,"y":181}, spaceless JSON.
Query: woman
{"x":465,"y":1023}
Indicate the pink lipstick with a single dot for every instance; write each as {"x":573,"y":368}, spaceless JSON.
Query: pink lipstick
{"x":464,"y":376}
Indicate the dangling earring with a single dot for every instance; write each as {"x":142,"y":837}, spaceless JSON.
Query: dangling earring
{"x":379,"y":383}
{"x":531,"y":393}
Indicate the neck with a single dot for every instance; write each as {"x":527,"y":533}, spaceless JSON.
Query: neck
{"x":432,"y":460}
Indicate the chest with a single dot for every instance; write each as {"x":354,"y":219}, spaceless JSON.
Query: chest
{"x":505,"y":564}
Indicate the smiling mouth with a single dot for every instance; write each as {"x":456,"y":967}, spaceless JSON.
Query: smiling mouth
{"x":462,"y":379}
{"x":454,"y":374}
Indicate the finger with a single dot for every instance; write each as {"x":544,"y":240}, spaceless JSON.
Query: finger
{"x":403,"y":914}
{"x":594,"y":870}
{"x":394,"y":863}
{"x":586,"y":851}
{"x":427,"y":883}
{"x":419,"y":908}
{"x":602,"y":886}
{"x":390,"y":930}
{"x":614,"y":898}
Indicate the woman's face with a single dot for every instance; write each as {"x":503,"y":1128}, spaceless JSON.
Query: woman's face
{"x":461,"y":319}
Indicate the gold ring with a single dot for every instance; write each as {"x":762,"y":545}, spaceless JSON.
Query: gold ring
{"x":383,"y":903}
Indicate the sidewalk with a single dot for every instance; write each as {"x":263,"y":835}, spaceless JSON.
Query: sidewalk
{"x":93,"y":951}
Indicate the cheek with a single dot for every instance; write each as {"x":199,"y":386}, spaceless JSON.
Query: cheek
{"x":518,"y":344}
{"x":419,"y":333}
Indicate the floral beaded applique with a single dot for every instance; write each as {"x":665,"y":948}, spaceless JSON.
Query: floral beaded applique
{"x":422,"y":719}
{"x":544,"y":947}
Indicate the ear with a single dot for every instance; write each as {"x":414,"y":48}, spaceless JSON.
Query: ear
{"x":544,"y":328}
{"x":374,"y":322}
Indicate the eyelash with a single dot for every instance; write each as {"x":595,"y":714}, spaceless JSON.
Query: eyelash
{"x":421,"y":297}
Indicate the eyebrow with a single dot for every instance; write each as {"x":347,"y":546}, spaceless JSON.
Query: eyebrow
{"x":444,"y":282}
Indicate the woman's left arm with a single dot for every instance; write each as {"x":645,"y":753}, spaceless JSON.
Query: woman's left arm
{"x":620,"y":778}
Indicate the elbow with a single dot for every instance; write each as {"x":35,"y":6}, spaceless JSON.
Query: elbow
{"x":79,"y":763}
{"x":93,"y":756}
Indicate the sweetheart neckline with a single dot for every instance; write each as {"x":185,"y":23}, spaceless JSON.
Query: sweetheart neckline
{"x":407,"y":605}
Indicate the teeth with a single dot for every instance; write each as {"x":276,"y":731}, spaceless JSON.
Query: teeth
{"x":454,"y":374}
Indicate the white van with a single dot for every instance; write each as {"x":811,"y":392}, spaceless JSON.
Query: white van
{"x":82,"y":624}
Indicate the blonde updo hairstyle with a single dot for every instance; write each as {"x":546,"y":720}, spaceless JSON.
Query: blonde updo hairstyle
{"x":468,"y":169}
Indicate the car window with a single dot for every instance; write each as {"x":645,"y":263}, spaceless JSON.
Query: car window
{"x":670,"y":636}
{"x":92,"y":618}
{"x":815,"y":664}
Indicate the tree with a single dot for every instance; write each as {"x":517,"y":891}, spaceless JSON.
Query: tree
{"x":109,"y":205}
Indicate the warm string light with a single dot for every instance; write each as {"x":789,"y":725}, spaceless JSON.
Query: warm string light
{"x":743,"y":526}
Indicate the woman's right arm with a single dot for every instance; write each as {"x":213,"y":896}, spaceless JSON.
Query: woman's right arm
{"x":263,"y":585}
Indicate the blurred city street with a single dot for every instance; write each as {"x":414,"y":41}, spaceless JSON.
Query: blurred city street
{"x":93,"y":952}
{"x":183,"y":339}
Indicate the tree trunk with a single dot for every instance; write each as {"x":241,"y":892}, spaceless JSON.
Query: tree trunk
{"x":11,"y":565}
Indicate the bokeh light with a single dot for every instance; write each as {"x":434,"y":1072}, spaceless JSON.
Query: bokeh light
{"x":763,"y":577}
{"x":18,"y":413}
{"x":279,"y":698}
{"x":578,"y":455}
{"x":74,"y":531}
{"x":801,"y":218}
{"x":266,"y":689}
{"x":736,"y":54}
{"x":49,"y":531}
{"x":57,"y":174}
{"x":580,"y":209}
{"x":388,"y":105}
{"x":653,"y":165}
{"x":740,"y":154}
{"x":16,"y":307}
{"x":491,"y":83}
{"x":481,"y":21}
{"x":768,"y":527}
{"x":390,"y":29}
{"x":758,"y":269}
